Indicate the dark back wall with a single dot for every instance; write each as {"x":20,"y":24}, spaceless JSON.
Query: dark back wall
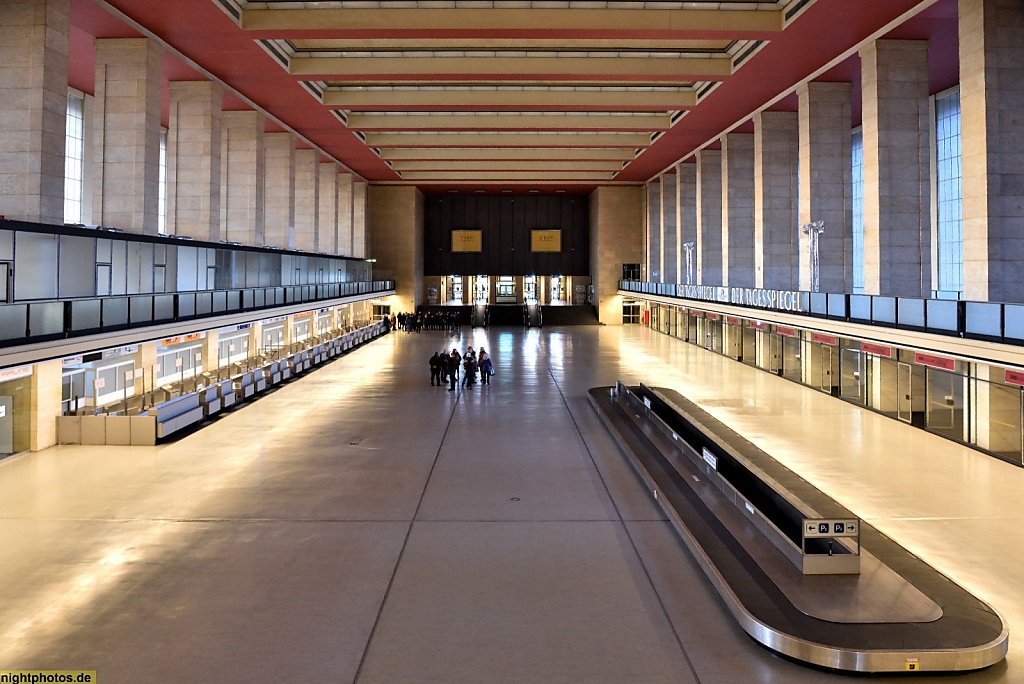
{"x":506,"y":222}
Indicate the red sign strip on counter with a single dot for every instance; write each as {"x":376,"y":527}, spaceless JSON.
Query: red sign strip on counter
{"x":712,"y":316}
{"x":1015,"y":377}
{"x":732,"y":320}
{"x":821,"y":338}
{"x":934,"y":361}
{"x":876,"y":349}
{"x":788,"y":332}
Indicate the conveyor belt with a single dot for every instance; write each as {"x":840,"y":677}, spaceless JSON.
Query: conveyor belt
{"x":969,"y":635}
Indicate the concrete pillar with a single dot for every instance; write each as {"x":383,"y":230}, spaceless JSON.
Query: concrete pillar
{"x":193,"y":160}
{"x":328,"y":216}
{"x":211,"y":350}
{"x":345,"y":214}
{"x":826,"y":182}
{"x":395,"y":217}
{"x":669,"y":239}
{"x":896,"y":132}
{"x":362,"y":242}
{"x":776,"y":215}
{"x":616,"y":238}
{"x":686,"y":217}
{"x":307,"y":199}
{"x":738,"y":210}
{"x":245,"y":181}
{"x":33,"y":109}
{"x":992,"y":130}
{"x":278,"y":189}
{"x":126,"y":189}
{"x":652,"y":257}
{"x":145,"y":358}
{"x":709,"y":218}
{"x":45,"y":405}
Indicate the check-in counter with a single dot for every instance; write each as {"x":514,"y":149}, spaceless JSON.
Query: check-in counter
{"x":176,"y":414}
{"x":209,"y":399}
{"x":243,"y":385}
{"x":226,"y":391}
{"x":259,"y":379}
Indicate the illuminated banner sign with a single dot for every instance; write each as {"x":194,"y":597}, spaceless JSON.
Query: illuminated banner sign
{"x":788,"y":332}
{"x":467,"y":240}
{"x":876,"y":349}
{"x":934,"y":361}
{"x":545,"y":241}
{"x":1015,"y":377}
{"x":820,"y":338}
{"x":781,"y":300}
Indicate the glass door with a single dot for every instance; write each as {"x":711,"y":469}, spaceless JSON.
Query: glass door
{"x":904,"y":391}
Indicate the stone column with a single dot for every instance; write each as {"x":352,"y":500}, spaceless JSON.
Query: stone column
{"x":826,"y":182}
{"x":33,"y":109}
{"x":708,"y":260}
{"x":328,"y":219}
{"x":992,"y":130}
{"x":193,"y":160}
{"x":345,"y":214}
{"x":395,"y":216}
{"x":211,"y":351}
{"x":245,"y":177}
{"x":278,"y":188}
{"x":669,"y":238}
{"x":126,"y":190}
{"x":653,"y":242}
{"x":616,"y":238}
{"x":738,"y":210}
{"x":776,"y":215}
{"x":45,"y":404}
{"x":686,"y":216}
{"x":307,"y":199}
{"x":897,"y":218}
{"x":362,"y":242}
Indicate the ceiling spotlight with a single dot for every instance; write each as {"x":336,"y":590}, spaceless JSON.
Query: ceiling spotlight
{"x":559,"y":192}
{"x":507,"y":191}
{"x":533,"y":191}
{"x":453,"y":192}
{"x":479,"y":192}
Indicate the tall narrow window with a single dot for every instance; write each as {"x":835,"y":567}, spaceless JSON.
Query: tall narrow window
{"x":948,"y":196}
{"x":162,"y":201}
{"x":857,"y":158}
{"x":74,"y":159}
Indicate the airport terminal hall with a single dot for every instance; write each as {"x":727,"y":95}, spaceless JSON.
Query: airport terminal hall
{"x":511,"y":341}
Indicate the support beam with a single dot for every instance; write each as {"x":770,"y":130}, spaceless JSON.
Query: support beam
{"x":527,"y":140}
{"x":512,"y":99}
{"x":508,"y":122}
{"x":741,"y":23}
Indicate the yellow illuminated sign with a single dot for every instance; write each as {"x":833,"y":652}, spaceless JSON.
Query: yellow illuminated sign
{"x":545,"y":241}
{"x":467,"y":240}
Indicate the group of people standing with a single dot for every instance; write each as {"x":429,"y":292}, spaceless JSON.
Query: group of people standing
{"x":444,"y":368}
{"x":430,"y":320}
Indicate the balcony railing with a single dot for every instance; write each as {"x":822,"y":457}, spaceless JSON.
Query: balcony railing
{"x":989,"y":321}
{"x":40,"y":321}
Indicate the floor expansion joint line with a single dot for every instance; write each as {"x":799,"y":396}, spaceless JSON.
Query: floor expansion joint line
{"x":625,"y":528}
{"x":405,"y":542}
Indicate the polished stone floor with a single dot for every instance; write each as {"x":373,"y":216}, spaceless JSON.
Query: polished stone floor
{"x":359,"y":525}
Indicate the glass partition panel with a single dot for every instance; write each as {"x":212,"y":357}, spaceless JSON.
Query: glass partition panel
{"x":819,"y":303}
{"x":141,"y":309}
{"x":163,"y":307}
{"x":983,"y":318}
{"x":85,"y":314}
{"x":13,"y":320}
{"x":837,"y":305}
{"x":852,"y":385}
{"x":910,"y":312}
{"x":941,"y":314}
{"x":115,"y":312}
{"x":46,"y":318}
{"x":883,"y":309}
{"x":860,"y":307}
{"x":1013,"y":326}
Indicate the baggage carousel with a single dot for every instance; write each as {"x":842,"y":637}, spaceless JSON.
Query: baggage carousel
{"x":895,"y":613}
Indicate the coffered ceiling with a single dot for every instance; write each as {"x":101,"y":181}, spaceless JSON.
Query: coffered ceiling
{"x":506,"y":93}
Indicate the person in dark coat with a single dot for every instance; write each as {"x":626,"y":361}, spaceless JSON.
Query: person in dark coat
{"x":485,"y":367}
{"x":435,"y":369}
{"x":453,"y":369}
